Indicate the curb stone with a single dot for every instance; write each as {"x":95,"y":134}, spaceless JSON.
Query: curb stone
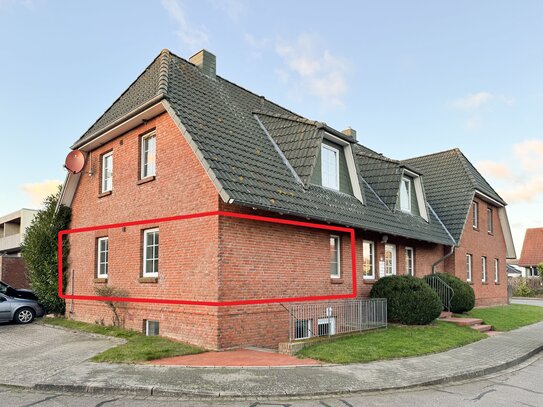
{"x":158,"y":391}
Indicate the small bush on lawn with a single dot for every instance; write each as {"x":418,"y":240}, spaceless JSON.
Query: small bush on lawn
{"x":463,"y":299}
{"x":410,"y":300}
{"x":523,"y":289}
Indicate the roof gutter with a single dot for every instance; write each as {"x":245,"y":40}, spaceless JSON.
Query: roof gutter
{"x":122,"y":119}
{"x":441,"y":260}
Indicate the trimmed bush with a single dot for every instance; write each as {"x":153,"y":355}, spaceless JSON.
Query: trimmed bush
{"x":463,"y":299}
{"x":410,"y":300}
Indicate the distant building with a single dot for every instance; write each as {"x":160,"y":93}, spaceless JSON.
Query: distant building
{"x":12,"y":234}
{"x":532,"y":252}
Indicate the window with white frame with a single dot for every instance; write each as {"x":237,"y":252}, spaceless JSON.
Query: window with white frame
{"x":490,"y":220}
{"x":405,"y":194}
{"x":469,"y":264}
{"x":483,"y":265}
{"x":409,"y":261}
{"x":102,"y":257}
{"x":330,"y":167}
{"x":335,"y":257}
{"x":302,"y":329}
{"x":148,"y":155}
{"x":475,"y":210}
{"x":326,"y":326}
{"x":107,"y":172}
{"x":368,"y":259}
{"x":150,"y":253}
{"x":496,"y":271}
{"x":390,"y":259}
{"x":531,"y":271}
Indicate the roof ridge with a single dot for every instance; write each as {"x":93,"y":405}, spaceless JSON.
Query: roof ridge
{"x":432,"y":154}
{"x":379,"y":156}
{"x":299,"y":119}
{"x":163,"y":72}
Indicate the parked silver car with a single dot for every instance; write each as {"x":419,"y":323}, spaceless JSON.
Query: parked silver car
{"x":19,"y":310}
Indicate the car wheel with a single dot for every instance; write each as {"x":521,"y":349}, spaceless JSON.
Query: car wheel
{"x":24,"y":316}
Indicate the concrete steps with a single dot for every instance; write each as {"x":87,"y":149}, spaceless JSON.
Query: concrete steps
{"x":474,"y":323}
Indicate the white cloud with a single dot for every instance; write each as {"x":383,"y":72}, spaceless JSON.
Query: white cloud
{"x":475,"y":101}
{"x":40,"y":190}
{"x":320,"y":73}
{"x":234,"y":9}
{"x":193,"y":36}
{"x":530,"y":155}
{"x":494,"y":169}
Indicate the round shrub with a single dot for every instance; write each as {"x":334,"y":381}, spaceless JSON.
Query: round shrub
{"x":463,"y":299}
{"x":410,"y":300}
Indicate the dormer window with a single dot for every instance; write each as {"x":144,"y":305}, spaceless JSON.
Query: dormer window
{"x":330,"y":167}
{"x":405,"y":194}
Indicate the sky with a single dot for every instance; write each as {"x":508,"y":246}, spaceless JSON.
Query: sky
{"x":411,"y":77}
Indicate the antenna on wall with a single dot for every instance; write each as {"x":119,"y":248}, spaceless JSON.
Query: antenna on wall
{"x":75,"y":162}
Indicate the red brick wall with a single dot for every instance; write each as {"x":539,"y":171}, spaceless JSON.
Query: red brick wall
{"x":188,"y":257}
{"x":478,"y":243}
{"x":13,"y":271}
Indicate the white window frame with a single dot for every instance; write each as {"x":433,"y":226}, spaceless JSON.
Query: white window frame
{"x":490,"y":220}
{"x":496,"y":271}
{"x":393,"y":247}
{"x":99,"y":261}
{"x":144,"y":164}
{"x":146,"y":234}
{"x":147,"y":327}
{"x":469,"y":268}
{"x":531,"y":271}
{"x":337,"y":239}
{"x":483,"y":269}
{"x":475,"y":214}
{"x":372,"y":259}
{"x":325,"y":321}
{"x":106,"y":186}
{"x":406,"y":206}
{"x":309,"y":328}
{"x":336,"y":154}
{"x":410,"y":262}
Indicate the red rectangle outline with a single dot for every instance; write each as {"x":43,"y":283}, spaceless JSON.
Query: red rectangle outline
{"x":353,"y":294}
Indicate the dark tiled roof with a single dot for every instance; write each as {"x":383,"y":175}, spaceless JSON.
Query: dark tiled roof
{"x":450,"y":181}
{"x":221,"y":119}
{"x":532,"y":249}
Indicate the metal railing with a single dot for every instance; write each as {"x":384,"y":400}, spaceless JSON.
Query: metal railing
{"x":310,"y":320}
{"x":443,"y":290}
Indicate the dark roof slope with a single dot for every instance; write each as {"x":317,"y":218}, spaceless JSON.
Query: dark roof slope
{"x":450,"y":181}
{"x":220,"y":118}
{"x":532,"y":248}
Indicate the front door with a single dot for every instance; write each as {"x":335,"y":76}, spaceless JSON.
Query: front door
{"x":390,"y":259}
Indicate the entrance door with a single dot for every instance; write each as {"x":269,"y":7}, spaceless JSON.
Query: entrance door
{"x":390,"y":259}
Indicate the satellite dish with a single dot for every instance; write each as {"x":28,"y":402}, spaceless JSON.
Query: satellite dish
{"x":75,"y":161}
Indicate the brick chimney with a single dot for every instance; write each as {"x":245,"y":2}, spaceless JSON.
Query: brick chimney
{"x":206,"y":61}
{"x":350,"y":133}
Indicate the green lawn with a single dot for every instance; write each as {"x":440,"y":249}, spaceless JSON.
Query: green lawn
{"x":138,"y":348}
{"x":508,"y":317}
{"x":396,"y":341}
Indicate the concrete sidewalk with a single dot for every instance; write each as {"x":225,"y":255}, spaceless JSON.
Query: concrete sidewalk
{"x":477,"y":359}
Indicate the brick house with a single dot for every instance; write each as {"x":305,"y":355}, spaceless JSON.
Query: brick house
{"x":182,"y":140}
{"x":532,"y":252}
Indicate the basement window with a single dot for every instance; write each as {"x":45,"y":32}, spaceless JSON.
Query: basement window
{"x":151,"y":328}
{"x":302,"y":329}
{"x":327,"y":326}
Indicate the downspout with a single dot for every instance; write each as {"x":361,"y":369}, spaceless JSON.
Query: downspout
{"x":441,"y":260}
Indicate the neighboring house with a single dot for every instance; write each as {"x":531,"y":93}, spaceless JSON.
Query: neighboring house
{"x":475,"y":216}
{"x":513,"y":271}
{"x":12,"y":233}
{"x":532,"y":252}
{"x":182,"y":140}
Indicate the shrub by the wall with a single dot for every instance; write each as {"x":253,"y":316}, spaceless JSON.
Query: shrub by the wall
{"x":463,"y":299}
{"x":410,"y":300}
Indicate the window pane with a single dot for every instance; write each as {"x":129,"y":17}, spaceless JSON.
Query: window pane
{"x":329,"y":168}
{"x":367,"y":259}
{"x":405,"y":195}
{"x":334,"y":256}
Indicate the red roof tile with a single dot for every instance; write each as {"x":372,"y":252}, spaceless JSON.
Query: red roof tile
{"x":532,"y":249}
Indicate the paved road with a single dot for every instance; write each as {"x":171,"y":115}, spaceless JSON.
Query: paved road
{"x":521,"y":386}
{"x":526,"y":301}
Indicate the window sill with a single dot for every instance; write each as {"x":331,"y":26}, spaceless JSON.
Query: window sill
{"x":370,"y":280}
{"x":147,"y":280}
{"x":476,"y":229}
{"x":490,"y":233}
{"x":107,"y":193}
{"x":100,"y":280}
{"x":484,"y":283}
{"x":336,"y":281}
{"x":469,"y":282}
{"x":146,"y":180}
{"x":496,"y":283}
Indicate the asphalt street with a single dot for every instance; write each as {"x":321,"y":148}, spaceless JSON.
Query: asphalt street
{"x":519,"y":386}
